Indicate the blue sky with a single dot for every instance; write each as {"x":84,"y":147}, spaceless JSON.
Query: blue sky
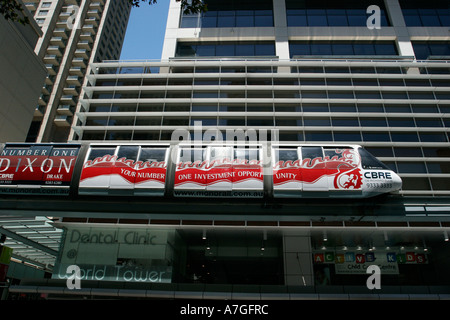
{"x":145,"y":32}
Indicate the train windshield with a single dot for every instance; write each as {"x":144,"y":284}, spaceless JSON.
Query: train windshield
{"x":368,"y":161}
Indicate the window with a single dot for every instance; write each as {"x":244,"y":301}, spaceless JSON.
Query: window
{"x":415,"y":183}
{"x":42,"y":12}
{"x":373,"y":122}
{"x":404,"y":137}
{"x":152,"y":154}
{"x":380,"y":151}
{"x":424,"y":49}
{"x":216,"y":49}
{"x":305,"y":48}
{"x":345,"y":122}
{"x":411,"y":167}
{"x":407,"y":152}
{"x":232,"y":14}
{"x":192,"y":154}
{"x":347,"y":136}
{"x":433,"y":13}
{"x":246,"y":154}
{"x":285,"y":155}
{"x":329,"y":13}
{"x":312,"y":152}
{"x":401,"y":122}
{"x":438,"y":167}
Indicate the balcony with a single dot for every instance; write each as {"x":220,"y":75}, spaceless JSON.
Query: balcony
{"x":63,"y":23}
{"x":55,"y":50}
{"x":47,"y":89}
{"x":88,"y":28}
{"x":39,"y":111}
{"x":96,"y":5}
{"x":92,"y":21}
{"x":79,"y":62}
{"x":71,"y":89}
{"x":84,"y":44}
{"x":60,"y":32}
{"x":49,"y":79}
{"x":58,"y":41}
{"x":86,"y":36}
{"x":66,"y":110}
{"x":70,"y":2}
{"x":79,"y":71}
{"x":43,"y":100}
{"x":51,"y":69}
{"x":63,"y":121}
{"x":82,"y":53}
{"x":93,"y":13}
{"x":74,"y":80}
{"x":31,"y":6}
{"x":51,"y":59}
{"x":68,"y":100}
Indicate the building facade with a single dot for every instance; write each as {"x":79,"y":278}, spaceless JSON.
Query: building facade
{"x":289,"y":72}
{"x":75,"y":33}
{"x":26,"y":71}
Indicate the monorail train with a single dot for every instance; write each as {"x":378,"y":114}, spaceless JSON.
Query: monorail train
{"x":185,"y":170}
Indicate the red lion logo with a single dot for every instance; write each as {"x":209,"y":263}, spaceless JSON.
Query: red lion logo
{"x":348,"y":180}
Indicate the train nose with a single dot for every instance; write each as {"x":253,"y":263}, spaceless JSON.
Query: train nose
{"x":396,"y":182}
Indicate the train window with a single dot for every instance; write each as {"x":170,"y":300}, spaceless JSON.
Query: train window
{"x":368,"y":161}
{"x":192,"y":155}
{"x":100,"y":152}
{"x":128,"y":152}
{"x":152,"y":155}
{"x":334,"y":152}
{"x":312,"y":152}
{"x":285,"y":155}
{"x":247,"y":154}
{"x":219,"y":153}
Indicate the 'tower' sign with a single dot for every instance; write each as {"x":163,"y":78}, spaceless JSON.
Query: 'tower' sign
{"x":29,"y":169}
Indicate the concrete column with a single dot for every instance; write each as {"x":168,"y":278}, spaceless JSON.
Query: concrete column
{"x":170,"y":38}
{"x":298,"y":264}
{"x":394,"y":11}
{"x":281,"y":31}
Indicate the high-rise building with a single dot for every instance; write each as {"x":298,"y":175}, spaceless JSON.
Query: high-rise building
{"x":26,"y":72}
{"x":75,"y":33}
{"x":300,"y":80}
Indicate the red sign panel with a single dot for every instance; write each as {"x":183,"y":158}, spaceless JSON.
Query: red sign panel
{"x":36,"y":165}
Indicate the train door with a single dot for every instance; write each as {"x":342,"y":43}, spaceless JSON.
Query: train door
{"x":151,"y":170}
{"x":97,"y":170}
{"x":287,"y":176}
{"x":123,"y":173}
{"x":220,"y":173}
{"x":247,"y":169}
{"x":314,"y":173}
